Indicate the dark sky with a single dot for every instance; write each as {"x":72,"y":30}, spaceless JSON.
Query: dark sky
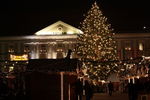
{"x":25,"y":17}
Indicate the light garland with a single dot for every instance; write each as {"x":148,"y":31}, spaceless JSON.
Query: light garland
{"x":97,"y":44}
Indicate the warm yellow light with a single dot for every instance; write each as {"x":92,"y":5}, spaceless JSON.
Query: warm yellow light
{"x":140,"y":46}
{"x":59,"y":28}
{"x":128,"y":48}
{"x":11,"y":68}
{"x":19,"y":57}
{"x":137,"y":77}
{"x":103,"y":81}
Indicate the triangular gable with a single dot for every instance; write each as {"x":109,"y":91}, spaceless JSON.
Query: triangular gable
{"x":59,"y":28}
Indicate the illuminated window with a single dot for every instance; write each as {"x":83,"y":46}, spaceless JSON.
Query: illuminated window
{"x":60,"y":45}
{"x":127,"y":48}
{"x":59,"y":50}
{"x":43,"y":49}
{"x":59,"y":53}
{"x":141,"y":46}
{"x":26,"y":49}
{"x":11,"y":49}
{"x":128,"y":45}
{"x":60,"y":29}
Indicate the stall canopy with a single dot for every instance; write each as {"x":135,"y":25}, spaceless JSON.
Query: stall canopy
{"x":54,"y":65}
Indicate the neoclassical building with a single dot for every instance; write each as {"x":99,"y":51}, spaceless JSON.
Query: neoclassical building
{"x":133,"y":45}
{"x":55,"y":40}
{"x":49,"y":43}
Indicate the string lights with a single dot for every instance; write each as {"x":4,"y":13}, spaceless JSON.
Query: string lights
{"x":96,"y":46}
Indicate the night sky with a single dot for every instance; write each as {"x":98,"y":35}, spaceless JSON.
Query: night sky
{"x":25,"y":17}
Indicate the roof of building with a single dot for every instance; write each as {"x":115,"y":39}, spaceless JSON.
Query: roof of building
{"x":58,"y":28}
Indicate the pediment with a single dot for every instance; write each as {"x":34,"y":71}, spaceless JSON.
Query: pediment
{"x":59,"y":28}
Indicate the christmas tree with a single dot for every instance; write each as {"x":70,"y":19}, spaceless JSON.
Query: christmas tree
{"x":96,"y":47}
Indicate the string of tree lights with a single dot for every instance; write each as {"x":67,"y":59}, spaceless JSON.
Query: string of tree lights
{"x":97,"y":45}
{"x":137,"y":67}
{"x":128,"y":68}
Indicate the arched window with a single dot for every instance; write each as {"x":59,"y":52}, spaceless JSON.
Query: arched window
{"x":141,"y":46}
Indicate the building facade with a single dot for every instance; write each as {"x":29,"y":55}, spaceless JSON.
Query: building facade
{"x":55,"y":40}
{"x":133,"y":45}
{"x":49,"y":43}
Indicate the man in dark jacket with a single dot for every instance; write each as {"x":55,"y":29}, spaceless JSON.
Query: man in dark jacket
{"x":79,"y":89}
{"x":110,"y":88}
{"x":88,"y":90}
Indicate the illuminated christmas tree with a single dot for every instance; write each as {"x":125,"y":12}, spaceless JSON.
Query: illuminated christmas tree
{"x":96,"y":46}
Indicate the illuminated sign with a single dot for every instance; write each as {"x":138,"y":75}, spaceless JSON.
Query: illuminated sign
{"x":19,"y":57}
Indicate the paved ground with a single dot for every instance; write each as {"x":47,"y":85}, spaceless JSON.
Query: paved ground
{"x":104,"y":96}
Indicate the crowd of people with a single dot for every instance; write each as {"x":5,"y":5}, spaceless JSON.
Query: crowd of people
{"x":83,"y":88}
{"x":134,"y":90}
{"x":86,"y":89}
{"x":10,"y":88}
{"x":140,"y":87}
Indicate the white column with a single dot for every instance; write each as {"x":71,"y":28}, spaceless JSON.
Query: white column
{"x":49,"y":51}
{"x":32,"y":51}
{"x":37,"y":50}
{"x":54,"y":53}
{"x":69,"y":92}
{"x":34,"y":54}
{"x":61,"y":85}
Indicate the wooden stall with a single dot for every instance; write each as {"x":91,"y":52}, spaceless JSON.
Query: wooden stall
{"x":51,"y":79}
